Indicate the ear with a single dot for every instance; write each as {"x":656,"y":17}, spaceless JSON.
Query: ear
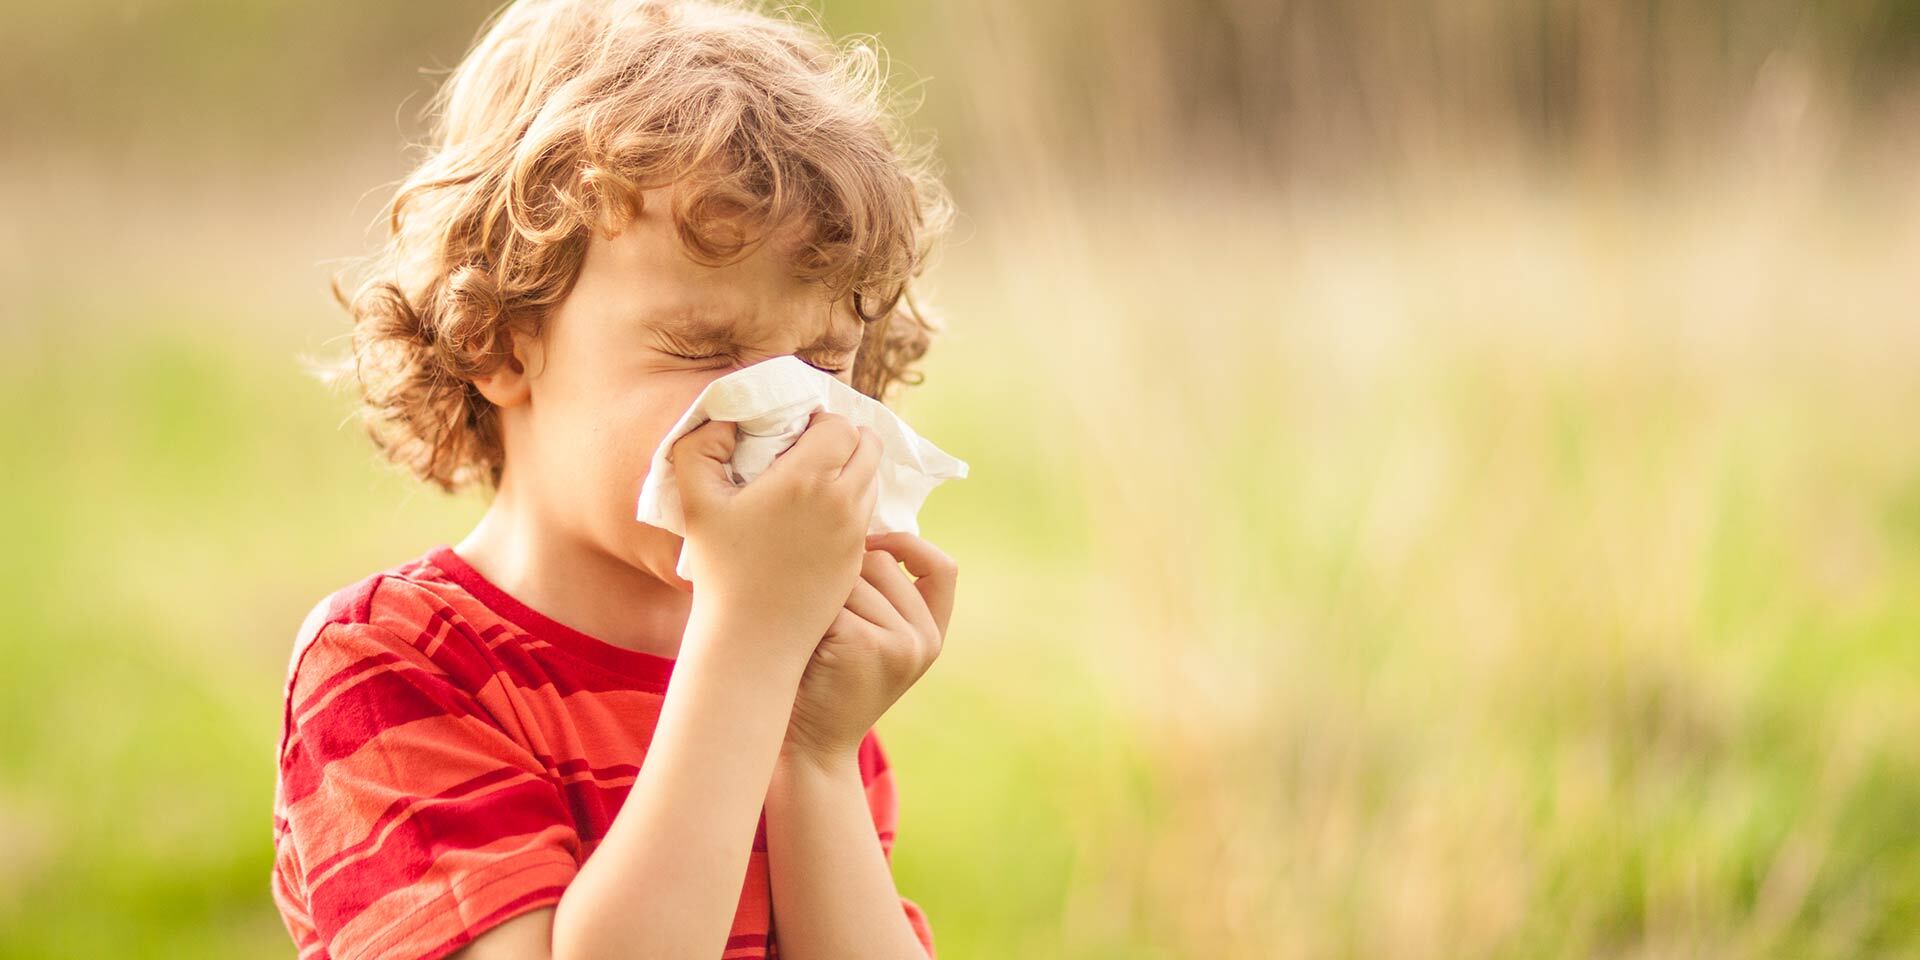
{"x":509,"y":384}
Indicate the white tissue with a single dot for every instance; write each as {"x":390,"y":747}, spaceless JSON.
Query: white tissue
{"x":771,"y":402}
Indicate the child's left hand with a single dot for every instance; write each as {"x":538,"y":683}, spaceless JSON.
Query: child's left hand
{"x":884,"y":638}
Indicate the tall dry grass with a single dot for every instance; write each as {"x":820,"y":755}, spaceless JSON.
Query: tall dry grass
{"x":1508,"y":572}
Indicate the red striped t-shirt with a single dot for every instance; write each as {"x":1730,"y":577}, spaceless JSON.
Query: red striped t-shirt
{"x":449,"y":757}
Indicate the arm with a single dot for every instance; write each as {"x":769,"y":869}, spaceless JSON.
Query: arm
{"x":833,"y":889}
{"x":665,"y":881}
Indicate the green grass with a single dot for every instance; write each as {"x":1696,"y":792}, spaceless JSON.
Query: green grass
{"x":1507,"y":575}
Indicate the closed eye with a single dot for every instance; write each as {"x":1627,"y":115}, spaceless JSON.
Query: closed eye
{"x":833,"y":371}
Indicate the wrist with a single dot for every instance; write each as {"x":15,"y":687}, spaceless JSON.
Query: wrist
{"x":744,"y":642}
{"x":815,"y":761}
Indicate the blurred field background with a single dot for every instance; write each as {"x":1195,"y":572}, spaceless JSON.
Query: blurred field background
{"x":1444,"y":475}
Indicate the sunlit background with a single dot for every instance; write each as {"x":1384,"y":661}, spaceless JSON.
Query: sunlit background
{"x":1444,"y":474}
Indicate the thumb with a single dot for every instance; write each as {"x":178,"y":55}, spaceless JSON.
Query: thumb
{"x":699,"y":461}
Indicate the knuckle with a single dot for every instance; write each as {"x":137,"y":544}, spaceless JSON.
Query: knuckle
{"x":788,"y":490}
{"x":843,"y":504}
{"x":811,"y":486}
{"x":900,"y":664}
{"x":858,"y":502}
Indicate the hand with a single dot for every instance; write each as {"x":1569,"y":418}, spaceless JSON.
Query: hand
{"x":784,"y":550}
{"x":882,"y":641}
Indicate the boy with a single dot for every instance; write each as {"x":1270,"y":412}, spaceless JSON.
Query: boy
{"x":479,"y":754}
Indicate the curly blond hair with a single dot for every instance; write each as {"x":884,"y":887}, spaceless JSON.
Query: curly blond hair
{"x":553,"y":124}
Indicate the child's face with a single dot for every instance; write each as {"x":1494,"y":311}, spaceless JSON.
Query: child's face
{"x":643,"y":330}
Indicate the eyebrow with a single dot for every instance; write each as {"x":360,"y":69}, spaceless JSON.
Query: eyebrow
{"x":705,"y":330}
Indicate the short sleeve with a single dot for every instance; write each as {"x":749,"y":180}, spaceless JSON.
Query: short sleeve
{"x":407,"y":821}
{"x":883,"y":799}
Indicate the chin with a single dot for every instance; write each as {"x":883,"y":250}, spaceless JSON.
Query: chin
{"x":658,"y":554}
{"x":673,"y":580}
{"x":666,"y":573}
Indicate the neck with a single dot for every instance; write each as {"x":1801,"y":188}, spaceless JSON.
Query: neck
{"x":572,"y":580}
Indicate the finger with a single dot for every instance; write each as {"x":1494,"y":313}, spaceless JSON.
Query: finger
{"x":869,"y":484}
{"x":848,"y":623}
{"x":711,"y":440}
{"x":699,"y":459}
{"x":881,"y":569}
{"x":823,"y":448}
{"x":871,"y":605}
{"x":865,"y":462}
{"x":936,"y":573}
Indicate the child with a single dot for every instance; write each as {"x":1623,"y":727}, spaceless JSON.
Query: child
{"x":541,"y":741}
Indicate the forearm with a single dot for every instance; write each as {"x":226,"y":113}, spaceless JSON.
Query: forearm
{"x":833,"y":890}
{"x":666,"y":879}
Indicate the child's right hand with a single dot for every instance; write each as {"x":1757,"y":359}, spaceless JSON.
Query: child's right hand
{"x":785,"y":549}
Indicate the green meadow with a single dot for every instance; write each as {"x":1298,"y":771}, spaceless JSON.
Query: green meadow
{"x":1473,"y":560}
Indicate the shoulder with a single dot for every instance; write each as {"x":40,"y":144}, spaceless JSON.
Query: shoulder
{"x":397,"y":615}
{"x":400,"y":601}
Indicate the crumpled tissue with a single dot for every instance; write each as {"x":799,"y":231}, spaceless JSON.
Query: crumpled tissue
{"x":771,"y":402}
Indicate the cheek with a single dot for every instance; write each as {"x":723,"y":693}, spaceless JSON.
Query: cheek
{"x":636,"y":425}
{"x":598,"y":426}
